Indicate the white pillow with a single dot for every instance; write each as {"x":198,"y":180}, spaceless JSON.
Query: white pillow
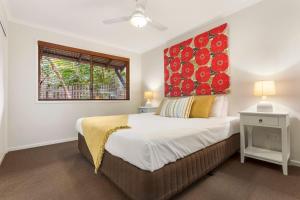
{"x":225,"y":107}
{"x":220,"y":106}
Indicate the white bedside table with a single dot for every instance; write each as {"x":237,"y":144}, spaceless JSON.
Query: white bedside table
{"x":144,"y":109}
{"x":273,"y":120}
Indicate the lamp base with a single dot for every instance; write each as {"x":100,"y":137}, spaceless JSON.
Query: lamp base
{"x":264,"y":106}
{"x":148,"y":103}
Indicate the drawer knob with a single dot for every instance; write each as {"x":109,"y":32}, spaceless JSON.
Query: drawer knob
{"x":260,"y":120}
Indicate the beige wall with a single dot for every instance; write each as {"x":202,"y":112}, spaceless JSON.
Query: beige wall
{"x":3,"y":86}
{"x":264,"y":44}
{"x":32,"y":123}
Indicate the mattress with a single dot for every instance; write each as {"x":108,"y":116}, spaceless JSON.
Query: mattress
{"x":154,"y":141}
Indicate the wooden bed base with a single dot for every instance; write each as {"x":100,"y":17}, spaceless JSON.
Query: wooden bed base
{"x":167,"y":181}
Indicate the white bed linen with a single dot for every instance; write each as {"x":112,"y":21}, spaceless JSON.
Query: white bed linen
{"x":154,"y":141}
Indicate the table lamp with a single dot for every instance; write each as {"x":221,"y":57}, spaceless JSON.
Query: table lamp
{"x":149,"y":96}
{"x":264,"y":89}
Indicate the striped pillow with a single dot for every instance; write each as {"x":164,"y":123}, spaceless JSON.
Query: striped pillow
{"x":179,"y":107}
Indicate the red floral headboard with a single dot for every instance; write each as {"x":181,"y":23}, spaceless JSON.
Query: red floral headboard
{"x":199,"y":65}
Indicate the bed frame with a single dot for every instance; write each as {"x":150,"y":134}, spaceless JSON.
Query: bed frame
{"x":167,"y":181}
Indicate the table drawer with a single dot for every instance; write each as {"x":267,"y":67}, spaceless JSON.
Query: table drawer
{"x":261,"y":120}
{"x":147,"y":109}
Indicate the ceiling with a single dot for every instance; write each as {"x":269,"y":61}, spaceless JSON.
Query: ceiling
{"x":83,"y":18}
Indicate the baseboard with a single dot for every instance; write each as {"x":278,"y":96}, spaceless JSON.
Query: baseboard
{"x":2,"y":156}
{"x":295,"y":163}
{"x":28,"y":146}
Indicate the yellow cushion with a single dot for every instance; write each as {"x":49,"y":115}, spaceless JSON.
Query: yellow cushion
{"x":202,"y":106}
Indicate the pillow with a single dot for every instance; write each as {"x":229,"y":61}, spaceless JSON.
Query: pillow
{"x":220,"y":106}
{"x":179,"y":107}
{"x":161,"y":104}
{"x":157,"y":112}
{"x":225,"y":107}
{"x":202,"y":106}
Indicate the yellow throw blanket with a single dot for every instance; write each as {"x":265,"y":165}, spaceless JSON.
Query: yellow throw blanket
{"x":96,"y":131}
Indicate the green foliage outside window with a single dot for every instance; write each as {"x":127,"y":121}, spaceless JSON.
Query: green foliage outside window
{"x":59,"y":77}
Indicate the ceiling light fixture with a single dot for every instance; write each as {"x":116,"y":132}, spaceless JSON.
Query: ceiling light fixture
{"x":138,"y":20}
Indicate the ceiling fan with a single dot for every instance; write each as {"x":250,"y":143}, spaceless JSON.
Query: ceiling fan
{"x":138,"y":18}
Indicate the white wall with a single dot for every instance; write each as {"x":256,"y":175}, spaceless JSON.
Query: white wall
{"x":33,"y":123}
{"x":3,"y":86}
{"x":153,"y":73}
{"x":264,"y":44}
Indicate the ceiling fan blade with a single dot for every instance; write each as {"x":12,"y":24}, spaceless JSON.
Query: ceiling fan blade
{"x":156,"y":25}
{"x":116,"y":20}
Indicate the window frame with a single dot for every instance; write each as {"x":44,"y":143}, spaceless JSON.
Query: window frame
{"x":42,"y":44}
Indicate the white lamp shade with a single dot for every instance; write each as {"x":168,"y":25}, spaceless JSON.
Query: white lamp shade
{"x":264,"y":88}
{"x":148,"y":95}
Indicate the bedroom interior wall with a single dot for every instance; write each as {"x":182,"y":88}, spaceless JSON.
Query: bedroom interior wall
{"x":32,"y":123}
{"x":3,"y":86}
{"x":263,"y":44}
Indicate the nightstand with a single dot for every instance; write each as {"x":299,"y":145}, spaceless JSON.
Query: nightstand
{"x":144,"y":109}
{"x":272,"y":120}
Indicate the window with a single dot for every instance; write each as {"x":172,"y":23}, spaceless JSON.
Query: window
{"x":67,"y":73}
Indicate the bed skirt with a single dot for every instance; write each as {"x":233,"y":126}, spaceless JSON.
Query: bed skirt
{"x":167,"y":181}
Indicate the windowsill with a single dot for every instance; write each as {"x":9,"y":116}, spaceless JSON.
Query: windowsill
{"x":79,"y":102}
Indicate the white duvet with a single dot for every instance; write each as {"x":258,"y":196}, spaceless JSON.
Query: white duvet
{"x":154,"y":141}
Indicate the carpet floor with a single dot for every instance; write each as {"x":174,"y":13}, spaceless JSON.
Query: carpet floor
{"x":59,"y":172}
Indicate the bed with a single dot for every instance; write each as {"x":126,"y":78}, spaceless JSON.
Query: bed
{"x":159,"y":156}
